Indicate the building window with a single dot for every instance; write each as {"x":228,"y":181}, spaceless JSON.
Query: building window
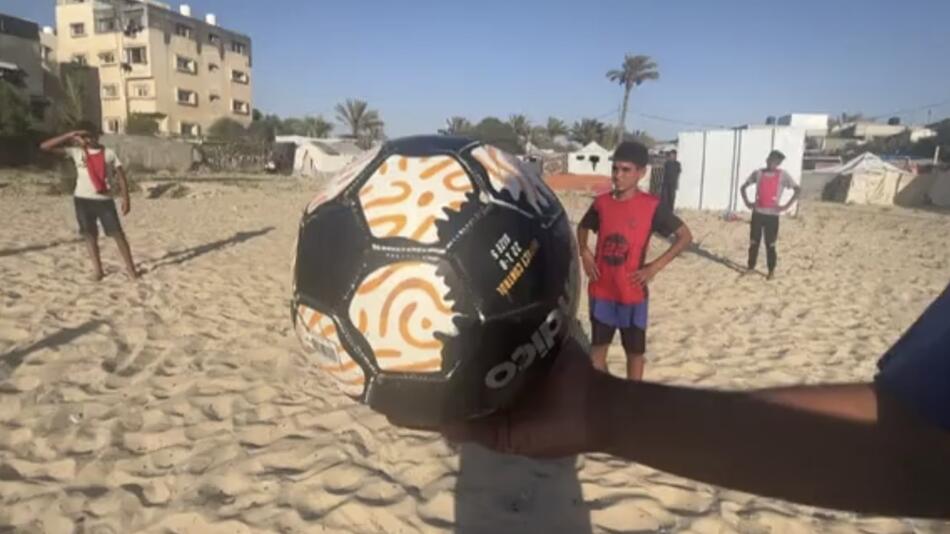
{"x":239,"y":48}
{"x":214,"y":39}
{"x":142,"y":90}
{"x":187,"y":65}
{"x":110,"y":91}
{"x":111,"y":125}
{"x":80,"y":59}
{"x":47,"y":53}
{"x":212,"y":67}
{"x":107,"y":58}
{"x":188,"y":98}
{"x":182,"y":30}
{"x":133,"y":21}
{"x":136,"y":55}
{"x":240,"y":107}
{"x":106,"y":25}
{"x":214,"y":97}
{"x":77,"y":30}
{"x":190,"y":130}
{"x":240,"y":76}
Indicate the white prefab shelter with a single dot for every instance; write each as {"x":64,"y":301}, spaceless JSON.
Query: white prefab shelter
{"x":592,"y":159}
{"x":866,"y":179}
{"x":717,"y":162}
{"x":320,"y":157}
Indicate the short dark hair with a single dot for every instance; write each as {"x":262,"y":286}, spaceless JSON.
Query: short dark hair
{"x":776,"y":154}
{"x":633,"y":152}
{"x":90,"y":127}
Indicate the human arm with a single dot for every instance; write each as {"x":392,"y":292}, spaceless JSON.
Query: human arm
{"x":787,"y":181}
{"x":590,"y":222}
{"x":753,"y":178}
{"x":843,"y":446}
{"x":881,"y":448}
{"x":664,"y":223}
{"x":123,"y":189}
{"x":55,"y":144}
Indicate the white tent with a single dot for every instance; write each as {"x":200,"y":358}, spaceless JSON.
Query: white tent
{"x":592,"y":159}
{"x":866,"y":179}
{"x":315,"y":157}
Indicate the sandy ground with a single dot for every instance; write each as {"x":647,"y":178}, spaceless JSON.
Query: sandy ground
{"x":181,"y":403}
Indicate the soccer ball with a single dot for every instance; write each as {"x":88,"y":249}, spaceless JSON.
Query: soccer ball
{"x":435,"y":278}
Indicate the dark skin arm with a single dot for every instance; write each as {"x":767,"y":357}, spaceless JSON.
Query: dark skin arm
{"x":683,"y":239}
{"x":55,"y":144}
{"x":745,"y":196}
{"x":587,"y":257}
{"x":796,"y":191}
{"x":849,"y":447}
{"x":123,"y":190}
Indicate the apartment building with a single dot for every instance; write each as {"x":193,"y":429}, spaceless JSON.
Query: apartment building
{"x":21,"y":61}
{"x":182,"y":71}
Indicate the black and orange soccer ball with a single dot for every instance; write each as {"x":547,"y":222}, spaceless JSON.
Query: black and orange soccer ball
{"x":435,"y":278}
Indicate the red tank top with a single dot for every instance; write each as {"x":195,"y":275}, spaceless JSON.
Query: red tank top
{"x":96,"y":166}
{"x":623,"y":236}
{"x":768,"y":188}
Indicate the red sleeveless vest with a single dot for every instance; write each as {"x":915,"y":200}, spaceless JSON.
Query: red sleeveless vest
{"x":621,"y":240}
{"x":768,"y":188}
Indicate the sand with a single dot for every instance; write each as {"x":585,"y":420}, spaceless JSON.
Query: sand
{"x":181,"y":403}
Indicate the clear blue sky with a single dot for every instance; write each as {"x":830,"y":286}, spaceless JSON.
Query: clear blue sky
{"x":721,"y":62}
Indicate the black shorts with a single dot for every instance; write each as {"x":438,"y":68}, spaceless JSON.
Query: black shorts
{"x":89,"y":212}
{"x":634,"y":338}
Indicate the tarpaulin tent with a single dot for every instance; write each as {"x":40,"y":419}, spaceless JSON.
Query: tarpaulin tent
{"x":866,"y":179}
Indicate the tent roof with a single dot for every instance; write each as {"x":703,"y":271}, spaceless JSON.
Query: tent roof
{"x":866,"y":163}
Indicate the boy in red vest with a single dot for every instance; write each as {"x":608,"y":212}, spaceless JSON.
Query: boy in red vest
{"x":92,"y":197}
{"x":770,"y":183}
{"x":624,"y":220}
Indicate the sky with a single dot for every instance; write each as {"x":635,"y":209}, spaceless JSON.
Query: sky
{"x":723,"y":62}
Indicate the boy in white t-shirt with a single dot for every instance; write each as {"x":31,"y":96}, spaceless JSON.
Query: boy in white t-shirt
{"x":93,"y":198}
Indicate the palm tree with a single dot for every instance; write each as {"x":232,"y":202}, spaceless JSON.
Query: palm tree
{"x":522,"y":126}
{"x":587,"y":131}
{"x":356,"y":115}
{"x":556,"y":127}
{"x":456,"y":126}
{"x":634,"y":71}
{"x":317,"y":127}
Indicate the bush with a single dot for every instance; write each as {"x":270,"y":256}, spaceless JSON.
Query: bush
{"x":141,"y":124}
{"x":227,"y":129}
{"x":14,"y":112}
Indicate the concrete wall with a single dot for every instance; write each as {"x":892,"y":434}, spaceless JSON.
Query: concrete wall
{"x":152,"y":153}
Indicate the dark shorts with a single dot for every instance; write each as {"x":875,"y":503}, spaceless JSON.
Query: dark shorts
{"x":90,"y":213}
{"x":634,"y":338}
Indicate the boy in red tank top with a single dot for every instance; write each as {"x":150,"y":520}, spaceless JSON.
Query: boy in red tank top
{"x":770,"y":183}
{"x":618,"y":272}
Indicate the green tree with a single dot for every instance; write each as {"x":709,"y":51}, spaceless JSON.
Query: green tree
{"x":14,"y":112}
{"x":227,"y":129}
{"x":142,"y":124}
{"x":556,"y":127}
{"x":587,"y":131}
{"x":522,"y":126}
{"x":634,"y":71}
{"x":317,"y":127}
{"x":73,"y":79}
{"x":456,"y":126}
{"x":357,"y":117}
{"x":495,"y":132}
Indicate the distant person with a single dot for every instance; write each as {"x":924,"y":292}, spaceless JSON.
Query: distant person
{"x":770,"y":183}
{"x":93,"y":197}
{"x":878,"y":448}
{"x":624,"y":219}
{"x":671,"y":180}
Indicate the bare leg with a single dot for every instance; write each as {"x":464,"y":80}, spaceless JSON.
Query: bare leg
{"x":126,"y":253}
{"x":635,"y":364}
{"x":598,"y":355}
{"x":92,"y":245}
